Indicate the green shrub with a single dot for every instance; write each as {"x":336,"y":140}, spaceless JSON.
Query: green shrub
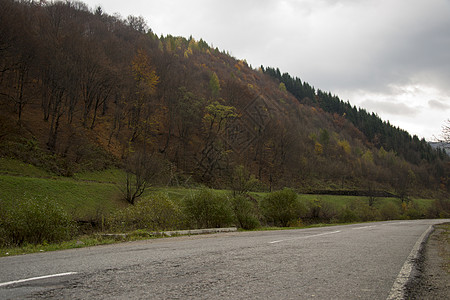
{"x":35,"y":221}
{"x":281,"y":207}
{"x":206,"y":209}
{"x":440,"y":208}
{"x":321,"y":211}
{"x":245,"y":212}
{"x":390,"y":211}
{"x":156,"y":212}
{"x":412,"y":211}
{"x":364,"y":211}
{"x":347,"y":215}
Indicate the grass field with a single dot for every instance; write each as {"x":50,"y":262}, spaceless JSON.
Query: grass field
{"x":81,"y":199}
{"x":86,"y":195}
{"x":91,"y":196}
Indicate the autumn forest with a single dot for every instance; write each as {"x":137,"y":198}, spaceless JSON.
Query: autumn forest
{"x":84,"y":90}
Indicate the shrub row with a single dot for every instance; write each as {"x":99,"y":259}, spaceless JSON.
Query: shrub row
{"x":207,"y":209}
{"x":35,"y":220}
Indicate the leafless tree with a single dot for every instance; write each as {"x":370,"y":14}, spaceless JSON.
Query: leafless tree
{"x":446,"y":132}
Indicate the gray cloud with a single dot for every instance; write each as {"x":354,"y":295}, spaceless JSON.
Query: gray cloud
{"x":435,"y":104}
{"x":391,"y":108}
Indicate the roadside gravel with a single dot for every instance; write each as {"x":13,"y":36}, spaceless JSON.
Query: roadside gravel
{"x":433,"y":278}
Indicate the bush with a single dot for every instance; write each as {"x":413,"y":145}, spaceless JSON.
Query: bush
{"x":363,"y":211}
{"x":281,"y":207}
{"x":321,"y":211}
{"x":207,"y":209}
{"x":157,"y":212}
{"x":35,"y":221}
{"x":440,"y":208}
{"x":245,"y":212}
{"x":390,"y":211}
{"x":347,"y":215}
{"x":412,"y":211}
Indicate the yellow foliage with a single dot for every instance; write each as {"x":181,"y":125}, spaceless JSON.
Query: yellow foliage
{"x":242,"y":63}
{"x":217,"y":115}
{"x":143,"y":72}
{"x":188,"y":52}
{"x":345,"y":146}
{"x":161,"y":46}
{"x":193,"y":44}
{"x":368,"y":156}
{"x":382,"y":153}
{"x":318,"y":148}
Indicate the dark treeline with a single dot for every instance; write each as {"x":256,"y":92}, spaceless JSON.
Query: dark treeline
{"x":378,"y":132}
{"x":84,"y":90}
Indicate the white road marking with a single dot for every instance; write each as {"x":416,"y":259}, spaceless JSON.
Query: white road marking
{"x":304,"y":237}
{"x":398,"y":288}
{"x":363,"y":227}
{"x":36,"y":278}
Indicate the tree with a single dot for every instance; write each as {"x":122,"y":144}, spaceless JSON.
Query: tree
{"x":214,"y":85}
{"x":446,"y":131}
{"x":140,"y":104}
{"x":141,"y":170}
{"x":144,"y":73}
{"x":137,"y":23}
{"x":242,"y":181}
{"x":215,"y":123}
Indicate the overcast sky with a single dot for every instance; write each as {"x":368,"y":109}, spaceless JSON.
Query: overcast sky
{"x":391,"y":57}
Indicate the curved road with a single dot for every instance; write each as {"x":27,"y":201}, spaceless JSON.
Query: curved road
{"x":360,"y":261}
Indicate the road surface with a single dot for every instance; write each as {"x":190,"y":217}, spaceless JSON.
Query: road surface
{"x":360,"y":261}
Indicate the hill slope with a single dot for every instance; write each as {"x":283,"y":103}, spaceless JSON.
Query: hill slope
{"x":83,"y":90}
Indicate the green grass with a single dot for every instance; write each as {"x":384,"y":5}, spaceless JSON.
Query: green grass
{"x":106,"y":176}
{"x":15,"y":167}
{"x":342,"y":201}
{"x":92,"y":193}
{"x":80,"y":242}
{"x":83,"y":200}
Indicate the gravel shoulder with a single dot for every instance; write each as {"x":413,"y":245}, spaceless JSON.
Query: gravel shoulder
{"x":433,"y":278}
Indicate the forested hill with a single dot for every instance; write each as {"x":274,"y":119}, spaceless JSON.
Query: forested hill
{"x":84,"y":90}
{"x":378,"y":132}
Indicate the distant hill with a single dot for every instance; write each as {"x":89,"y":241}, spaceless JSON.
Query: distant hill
{"x":84,"y":90}
{"x":441,"y":145}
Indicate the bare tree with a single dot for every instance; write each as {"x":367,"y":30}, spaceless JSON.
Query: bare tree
{"x":142,"y":170}
{"x":446,"y":132}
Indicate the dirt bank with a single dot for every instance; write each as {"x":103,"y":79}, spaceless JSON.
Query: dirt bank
{"x":433,"y":278}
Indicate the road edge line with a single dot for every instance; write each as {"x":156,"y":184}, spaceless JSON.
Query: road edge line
{"x":404,"y":276}
{"x":36,"y":278}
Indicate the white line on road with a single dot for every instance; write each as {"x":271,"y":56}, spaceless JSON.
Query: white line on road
{"x":363,"y":227}
{"x":36,"y":278}
{"x":304,"y":237}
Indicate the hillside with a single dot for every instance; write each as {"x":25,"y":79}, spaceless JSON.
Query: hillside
{"x":81,"y":90}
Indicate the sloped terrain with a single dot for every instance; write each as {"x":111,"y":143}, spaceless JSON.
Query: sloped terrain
{"x":83,"y":90}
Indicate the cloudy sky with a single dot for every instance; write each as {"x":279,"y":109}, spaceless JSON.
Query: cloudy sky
{"x":391,"y":57}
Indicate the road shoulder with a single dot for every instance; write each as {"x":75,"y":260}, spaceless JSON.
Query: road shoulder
{"x":433,"y":265}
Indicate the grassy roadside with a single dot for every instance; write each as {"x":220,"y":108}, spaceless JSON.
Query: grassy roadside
{"x":444,"y":242}
{"x":99,"y":239}
{"x":96,"y":195}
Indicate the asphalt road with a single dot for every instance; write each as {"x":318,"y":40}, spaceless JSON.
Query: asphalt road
{"x":359,"y":261}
